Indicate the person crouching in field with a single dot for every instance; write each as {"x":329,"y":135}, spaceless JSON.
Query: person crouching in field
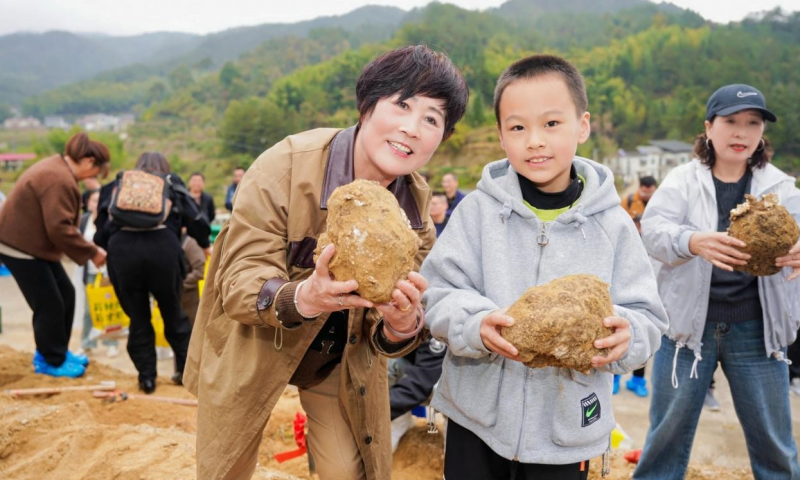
{"x":538,"y":215}
{"x":270,"y":316}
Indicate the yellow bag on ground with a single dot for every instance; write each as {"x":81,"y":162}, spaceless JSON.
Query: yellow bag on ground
{"x":158,"y":326}
{"x":202,"y":282}
{"x":108,"y":319}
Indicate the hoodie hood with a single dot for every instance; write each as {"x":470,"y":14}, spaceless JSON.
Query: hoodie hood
{"x":500,"y":181}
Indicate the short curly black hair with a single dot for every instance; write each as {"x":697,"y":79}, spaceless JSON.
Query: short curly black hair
{"x":410,"y":71}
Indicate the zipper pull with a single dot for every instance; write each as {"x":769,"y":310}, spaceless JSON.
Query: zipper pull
{"x":542,"y":239}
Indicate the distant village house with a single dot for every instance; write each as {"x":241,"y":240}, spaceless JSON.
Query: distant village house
{"x":19,"y":123}
{"x":655,"y":159}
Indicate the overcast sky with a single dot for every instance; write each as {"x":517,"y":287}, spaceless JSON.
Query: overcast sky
{"x":129,"y":17}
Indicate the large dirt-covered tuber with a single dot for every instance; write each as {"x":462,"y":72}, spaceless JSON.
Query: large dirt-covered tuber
{"x":768,"y":229}
{"x":556,"y":324}
{"x":375,"y":244}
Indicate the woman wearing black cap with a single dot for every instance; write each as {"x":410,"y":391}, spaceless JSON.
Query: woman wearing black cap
{"x":719,"y":315}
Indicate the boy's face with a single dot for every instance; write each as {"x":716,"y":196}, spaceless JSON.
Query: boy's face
{"x":540,"y":130}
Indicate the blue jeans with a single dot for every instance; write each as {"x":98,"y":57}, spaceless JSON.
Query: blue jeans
{"x":760,"y":390}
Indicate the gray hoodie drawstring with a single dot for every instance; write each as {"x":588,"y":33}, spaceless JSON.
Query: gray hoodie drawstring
{"x":505,"y":212}
{"x":580,"y":219}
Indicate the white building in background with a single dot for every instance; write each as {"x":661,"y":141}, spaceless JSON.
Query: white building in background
{"x":97,"y":122}
{"x":55,"y":121}
{"x":655,"y":159}
{"x":103,"y":122}
{"x":18,"y":123}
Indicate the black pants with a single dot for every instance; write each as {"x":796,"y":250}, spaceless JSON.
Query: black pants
{"x":144,"y":263}
{"x":466,"y":457}
{"x":639,"y":372}
{"x":793,"y":354}
{"x":51,"y":296}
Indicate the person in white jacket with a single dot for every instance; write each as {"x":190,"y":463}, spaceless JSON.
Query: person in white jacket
{"x":719,"y":316}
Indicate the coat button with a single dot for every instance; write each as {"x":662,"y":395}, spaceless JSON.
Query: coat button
{"x":363,"y":390}
{"x":368,"y":440}
{"x":353,"y":339}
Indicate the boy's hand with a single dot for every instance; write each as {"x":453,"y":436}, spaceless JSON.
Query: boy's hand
{"x":791,"y":259}
{"x":491,"y":325}
{"x":718,"y":249}
{"x":617,"y":341}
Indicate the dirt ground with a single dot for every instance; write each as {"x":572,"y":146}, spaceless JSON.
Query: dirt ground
{"x":75,"y":436}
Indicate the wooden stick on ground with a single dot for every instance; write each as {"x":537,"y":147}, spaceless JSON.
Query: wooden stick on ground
{"x":22,"y":392}
{"x":122,"y":396}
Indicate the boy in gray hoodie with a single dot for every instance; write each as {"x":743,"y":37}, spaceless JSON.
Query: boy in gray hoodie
{"x":540,"y":214}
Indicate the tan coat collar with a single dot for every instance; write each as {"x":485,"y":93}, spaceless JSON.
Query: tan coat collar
{"x":339,"y":171}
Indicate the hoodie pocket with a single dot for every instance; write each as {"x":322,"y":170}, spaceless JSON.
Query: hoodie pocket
{"x":472,"y":386}
{"x":583,"y":415}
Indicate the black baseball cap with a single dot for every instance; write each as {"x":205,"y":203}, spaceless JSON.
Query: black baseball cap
{"x":735,"y":98}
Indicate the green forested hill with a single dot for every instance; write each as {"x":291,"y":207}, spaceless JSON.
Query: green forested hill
{"x":33,"y":63}
{"x":649,"y":70}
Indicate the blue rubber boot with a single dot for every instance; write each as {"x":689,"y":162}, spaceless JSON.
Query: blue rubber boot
{"x":67,"y":369}
{"x":615,"y":390}
{"x":637,"y":385}
{"x":81,"y":360}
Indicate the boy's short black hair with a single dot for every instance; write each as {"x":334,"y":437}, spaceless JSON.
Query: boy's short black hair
{"x":197,"y":174}
{"x":647,"y":181}
{"x":537,"y":66}
{"x":439,"y":193}
{"x":410,"y":71}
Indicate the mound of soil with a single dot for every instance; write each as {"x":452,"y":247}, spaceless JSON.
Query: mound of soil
{"x":73,"y":436}
{"x":375,"y":244}
{"x":556,"y":324}
{"x":768,"y":229}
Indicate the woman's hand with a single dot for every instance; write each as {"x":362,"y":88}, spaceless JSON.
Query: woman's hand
{"x":491,"y":326}
{"x":99,"y":258}
{"x":617,"y":341}
{"x":718,"y":249}
{"x":402,"y":312}
{"x":321,"y":293}
{"x":791,"y":259}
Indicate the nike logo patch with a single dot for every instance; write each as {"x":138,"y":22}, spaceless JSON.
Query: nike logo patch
{"x":746,"y":94}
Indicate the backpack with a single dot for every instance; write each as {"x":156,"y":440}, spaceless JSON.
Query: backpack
{"x":140,"y":200}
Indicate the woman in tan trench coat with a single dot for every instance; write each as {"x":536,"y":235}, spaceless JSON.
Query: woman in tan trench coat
{"x":270,"y":316}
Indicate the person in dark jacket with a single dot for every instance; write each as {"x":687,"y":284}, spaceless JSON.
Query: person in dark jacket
{"x":38,"y":225}
{"x":412,"y":378}
{"x":411,"y":381}
{"x":194,"y":260}
{"x":197,"y":182}
{"x":238,"y":173}
{"x":144,"y":262}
